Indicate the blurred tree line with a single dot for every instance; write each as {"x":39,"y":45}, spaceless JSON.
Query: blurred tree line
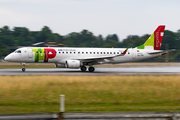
{"x":21,"y":36}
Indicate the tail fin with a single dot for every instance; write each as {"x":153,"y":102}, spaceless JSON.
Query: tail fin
{"x":155,"y":40}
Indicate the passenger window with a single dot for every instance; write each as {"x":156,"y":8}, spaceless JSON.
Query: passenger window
{"x":86,"y":52}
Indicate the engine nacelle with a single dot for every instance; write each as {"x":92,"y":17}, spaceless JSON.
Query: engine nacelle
{"x":58,"y":65}
{"x":73,"y":64}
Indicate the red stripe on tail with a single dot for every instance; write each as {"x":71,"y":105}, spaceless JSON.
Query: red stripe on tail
{"x":158,"y":35}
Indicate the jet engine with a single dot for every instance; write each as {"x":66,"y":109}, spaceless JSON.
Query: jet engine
{"x":73,"y":64}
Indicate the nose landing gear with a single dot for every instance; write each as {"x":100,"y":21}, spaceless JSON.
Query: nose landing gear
{"x":23,"y":69}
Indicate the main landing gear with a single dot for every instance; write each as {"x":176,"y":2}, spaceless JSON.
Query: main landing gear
{"x":91,"y":69}
{"x":23,"y":69}
{"x":83,"y":68}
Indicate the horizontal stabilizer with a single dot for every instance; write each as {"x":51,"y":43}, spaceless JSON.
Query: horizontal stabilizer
{"x":161,"y":51}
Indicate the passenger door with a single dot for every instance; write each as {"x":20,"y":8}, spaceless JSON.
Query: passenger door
{"x":30,"y":54}
{"x":30,"y":57}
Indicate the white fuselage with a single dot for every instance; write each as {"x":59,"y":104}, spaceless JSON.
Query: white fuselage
{"x":86,"y":55}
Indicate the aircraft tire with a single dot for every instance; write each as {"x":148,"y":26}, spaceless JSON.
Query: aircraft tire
{"x":83,"y":68}
{"x":91,"y":69}
{"x":23,"y":69}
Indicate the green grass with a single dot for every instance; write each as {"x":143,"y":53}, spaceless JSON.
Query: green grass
{"x":89,"y":93}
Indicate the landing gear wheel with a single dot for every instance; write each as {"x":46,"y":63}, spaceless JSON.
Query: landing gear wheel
{"x":91,"y":69}
{"x":83,"y":68}
{"x":23,"y":69}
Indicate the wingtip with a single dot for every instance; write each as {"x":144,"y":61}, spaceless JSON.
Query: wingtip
{"x":125,"y":51}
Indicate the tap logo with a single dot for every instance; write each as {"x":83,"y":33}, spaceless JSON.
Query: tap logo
{"x":43,"y":54}
{"x":157,"y":39}
{"x":158,"y":36}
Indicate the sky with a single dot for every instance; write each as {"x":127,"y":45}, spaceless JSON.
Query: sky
{"x":105,"y":17}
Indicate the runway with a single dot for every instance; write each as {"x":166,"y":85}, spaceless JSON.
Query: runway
{"x":167,"y":70}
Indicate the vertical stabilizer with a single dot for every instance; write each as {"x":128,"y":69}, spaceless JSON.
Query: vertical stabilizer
{"x":155,"y":40}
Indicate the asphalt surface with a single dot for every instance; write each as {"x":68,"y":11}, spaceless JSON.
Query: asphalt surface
{"x":166,"y":70}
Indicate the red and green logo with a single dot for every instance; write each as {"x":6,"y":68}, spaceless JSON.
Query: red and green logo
{"x":155,"y":39}
{"x":43,"y":54}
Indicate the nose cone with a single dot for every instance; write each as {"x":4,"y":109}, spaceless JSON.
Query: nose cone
{"x":8,"y":58}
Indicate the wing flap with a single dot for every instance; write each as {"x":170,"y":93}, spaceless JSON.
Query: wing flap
{"x":104,"y":57}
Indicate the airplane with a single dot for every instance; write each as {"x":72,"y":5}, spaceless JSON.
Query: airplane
{"x":73,"y":57}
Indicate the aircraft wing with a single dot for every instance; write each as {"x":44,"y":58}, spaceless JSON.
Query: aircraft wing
{"x":98,"y":58}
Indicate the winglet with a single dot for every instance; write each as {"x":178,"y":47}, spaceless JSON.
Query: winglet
{"x":125,"y":51}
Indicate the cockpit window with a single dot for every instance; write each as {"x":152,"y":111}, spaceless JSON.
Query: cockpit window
{"x":18,"y":51}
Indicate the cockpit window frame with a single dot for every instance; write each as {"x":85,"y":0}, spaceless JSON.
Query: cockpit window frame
{"x":17,"y":51}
